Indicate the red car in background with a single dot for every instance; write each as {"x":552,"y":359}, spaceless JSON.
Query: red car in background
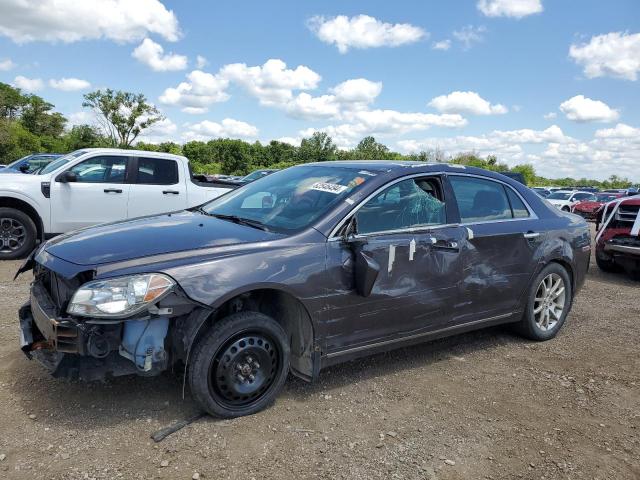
{"x":588,"y":209}
{"x":618,"y":237}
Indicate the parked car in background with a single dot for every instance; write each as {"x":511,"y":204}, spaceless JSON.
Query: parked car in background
{"x":542,"y":191}
{"x":252,"y":177}
{"x":30,"y":163}
{"x":566,"y":199}
{"x":588,"y":209}
{"x":93,"y":186}
{"x":308,"y":267}
{"x":618,"y":237}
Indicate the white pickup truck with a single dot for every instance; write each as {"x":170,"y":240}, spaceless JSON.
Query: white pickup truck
{"x":91,"y":186}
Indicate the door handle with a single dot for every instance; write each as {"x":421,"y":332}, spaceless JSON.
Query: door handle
{"x":112,"y":190}
{"x":445,"y":245}
{"x":171,"y":192}
{"x":530,"y":235}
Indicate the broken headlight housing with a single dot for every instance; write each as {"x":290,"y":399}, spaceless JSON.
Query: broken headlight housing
{"x":119,"y":297}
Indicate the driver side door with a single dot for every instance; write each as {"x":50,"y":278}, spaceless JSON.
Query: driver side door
{"x":405,"y":231}
{"x":98,"y":195}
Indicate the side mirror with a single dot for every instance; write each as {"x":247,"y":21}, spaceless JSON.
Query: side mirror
{"x":24,"y":168}
{"x":67,"y":177}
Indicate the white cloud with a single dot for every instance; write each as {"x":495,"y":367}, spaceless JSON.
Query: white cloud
{"x":363,"y":31}
{"x":469,"y":35}
{"x":152,"y":54}
{"x":509,"y":8}
{"x":227,"y":128}
{"x":271,"y":83}
{"x":71,"y":20}
{"x":201,"y":62}
{"x":552,"y":153}
{"x":466,"y":102}
{"x":69,"y":84}
{"x":28,"y":84}
{"x":550,"y":116}
{"x":615,"y":54}
{"x":357,"y":91}
{"x":384,"y":123}
{"x":582,"y":109}
{"x":81,"y":118}
{"x":199,"y":92}
{"x":6,"y":65}
{"x":620,"y":131}
{"x":441,"y":45}
{"x":162,"y":131}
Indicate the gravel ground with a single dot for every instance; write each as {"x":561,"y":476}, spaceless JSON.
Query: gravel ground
{"x":481,"y":405}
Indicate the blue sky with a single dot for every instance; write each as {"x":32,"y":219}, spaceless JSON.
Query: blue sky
{"x":553,"y":83}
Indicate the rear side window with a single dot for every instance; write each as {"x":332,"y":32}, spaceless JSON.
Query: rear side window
{"x":157,"y":171}
{"x":517,"y":205}
{"x":480,"y":200}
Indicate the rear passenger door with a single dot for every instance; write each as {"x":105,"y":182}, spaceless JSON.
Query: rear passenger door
{"x":157,"y":187}
{"x":499,"y":254}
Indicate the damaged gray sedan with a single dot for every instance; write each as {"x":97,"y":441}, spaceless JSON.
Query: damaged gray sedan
{"x":308,"y":267}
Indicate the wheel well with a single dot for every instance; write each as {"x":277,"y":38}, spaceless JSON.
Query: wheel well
{"x":289,"y":312}
{"x":567,"y":266}
{"x":23,"y":206}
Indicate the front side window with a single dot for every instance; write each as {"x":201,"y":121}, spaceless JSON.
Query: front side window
{"x":101,"y":169}
{"x":411,"y":203}
{"x":157,"y":171}
{"x":480,"y":200}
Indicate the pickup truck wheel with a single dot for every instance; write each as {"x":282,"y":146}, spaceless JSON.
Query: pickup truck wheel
{"x":240,"y":365}
{"x":17,"y":234}
{"x":548,"y":304}
{"x":606,"y":264}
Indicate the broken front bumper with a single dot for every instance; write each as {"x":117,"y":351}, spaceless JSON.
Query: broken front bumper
{"x":61,"y":345}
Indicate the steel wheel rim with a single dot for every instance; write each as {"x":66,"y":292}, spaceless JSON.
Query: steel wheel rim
{"x":244,"y":370}
{"x":549,"y":302}
{"x":12,"y":235}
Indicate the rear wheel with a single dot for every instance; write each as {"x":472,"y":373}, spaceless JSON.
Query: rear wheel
{"x":240,"y":365}
{"x":18,"y":234}
{"x":548,"y":304}
{"x":566,"y":209}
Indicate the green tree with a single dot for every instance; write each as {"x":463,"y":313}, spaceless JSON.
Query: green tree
{"x":122,"y":115}
{"x":38,"y":118}
{"x":527,"y":171}
{"x":318,"y":148}
{"x":369,"y":149}
{"x":84,"y":136}
{"x":11,"y":101}
{"x":16,"y":141}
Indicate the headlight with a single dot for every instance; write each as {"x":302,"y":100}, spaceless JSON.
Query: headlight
{"x":119,"y":297}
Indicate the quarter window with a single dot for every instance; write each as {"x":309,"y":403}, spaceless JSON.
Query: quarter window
{"x":409,"y":203}
{"x":101,"y":169}
{"x":517,"y":205}
{"x":157,"y":171}
{"x":481,"y":200}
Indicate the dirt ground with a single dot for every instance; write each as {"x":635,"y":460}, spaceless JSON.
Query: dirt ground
{"x":481,"y":405}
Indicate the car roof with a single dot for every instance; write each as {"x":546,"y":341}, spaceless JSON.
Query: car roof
{"x":133,"y":153}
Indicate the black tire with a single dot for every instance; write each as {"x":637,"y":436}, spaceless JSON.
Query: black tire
{"x":607,"y":264}
{"x":18,"y":234}
{"x":529,"y":326}
{"x":227,"y":383}
{"x":566,"y":209}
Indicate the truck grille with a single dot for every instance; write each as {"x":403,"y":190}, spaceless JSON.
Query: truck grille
{"x":627,"y":213}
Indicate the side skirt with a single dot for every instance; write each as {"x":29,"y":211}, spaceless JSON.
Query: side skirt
{"x":348,"y":354}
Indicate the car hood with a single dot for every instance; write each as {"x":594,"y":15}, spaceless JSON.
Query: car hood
{"x":588,"y":206}
{"x":155,"y":235}
{"x":558,"y":202}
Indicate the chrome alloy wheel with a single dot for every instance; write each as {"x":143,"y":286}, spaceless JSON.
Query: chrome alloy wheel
{"x":12,"y":235}
{"x":549,"y":302}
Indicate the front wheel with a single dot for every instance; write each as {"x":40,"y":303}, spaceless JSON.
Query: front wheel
{"x":548,"y":303}
{"x":240,"y":365}
{"x":18,"y":234}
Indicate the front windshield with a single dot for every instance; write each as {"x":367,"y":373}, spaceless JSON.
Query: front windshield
{"x":61,"y":161}
{"x":15,"y":165}
{"x":254,"y":175}
{"x":289,"y":200}
{"x":606,"y":198}
{"x":559,"y":196}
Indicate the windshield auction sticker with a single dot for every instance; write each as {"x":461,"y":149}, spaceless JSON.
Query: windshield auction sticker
{"x":328,"y":187}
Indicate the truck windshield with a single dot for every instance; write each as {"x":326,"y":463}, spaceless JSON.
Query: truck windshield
{"x":61,"y":161}
{"x":289,"y":200}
